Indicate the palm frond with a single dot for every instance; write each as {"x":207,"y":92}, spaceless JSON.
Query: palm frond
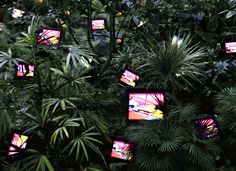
{"x":29,"y":39}
{"x":172,"y":64}
{"x":80,"y":56}
{"x":64,"y":123}
{"x":79,"y":146}
{"x":225,"y":100}
{"x":183,"y":112}
{"x":6,"y":58}
{"x":6,"y":122}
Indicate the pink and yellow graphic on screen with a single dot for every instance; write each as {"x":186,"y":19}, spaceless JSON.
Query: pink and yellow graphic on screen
{"x":49,"y":37}
{"x":98,"y":24}
{"x":121,"y":150}
{"x":129,"y":78}
{"x":230,"y":47}
{"x":19,"y":141}
{"x":22,"y":71}
{"x":145,"y":106}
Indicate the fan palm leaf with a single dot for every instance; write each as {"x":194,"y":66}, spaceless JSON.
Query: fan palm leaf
{"x":80,"y":56}
{"x":6,"y":58}
{"x":64,"y":123}
{"x":29,"y":39}
{"x":225,"y":100}
{"x":173,"y":64}
{"x":79,"y":146}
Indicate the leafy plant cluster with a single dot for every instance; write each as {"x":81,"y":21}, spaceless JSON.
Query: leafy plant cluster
{"x":74,"y":104}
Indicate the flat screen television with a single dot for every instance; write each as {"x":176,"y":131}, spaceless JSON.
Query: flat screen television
{"x":129,"y":77}
{"x":49,"y":37}
{"x":230,"y":47}
{"x":18,"y":144}
{"x":207,"y":127}
{"x":98,"y":24}
{"x":16,"y":13}
{"x":122,"y":149}
{"x":25,"y":70}
{"x":145,"y":104}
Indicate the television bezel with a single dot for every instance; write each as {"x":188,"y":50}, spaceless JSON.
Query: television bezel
{"x":21,"y":152}
{"x":91,"y":25}
{"x":133,"y":149}
{"x":133,"y":72}
{"x":148,"y":91}
{"x":224,"y":48}
{"x":48,"y":28}
{"x":24,"y":77}
{"x":197,"y":127}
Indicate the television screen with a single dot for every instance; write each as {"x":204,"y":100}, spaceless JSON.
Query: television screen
{"x":25,"y":70}
{"x":129,"y":78}
{"x":17,"y":13}
{"x":122,"y":150}
{"x":49,"y":37}
{"x":230,"y":47}
{"x":207,"y":127}
{"x":18,"y":143}
{"x":145,"y":105}
{"x":98,"y":24}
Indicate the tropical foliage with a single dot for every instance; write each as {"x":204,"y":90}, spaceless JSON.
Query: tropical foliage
{"x":74,"y":105}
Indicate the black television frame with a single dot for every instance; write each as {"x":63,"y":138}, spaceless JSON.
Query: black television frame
{"x":105,"y":24}
{"x":233,"y":54}
{"x":145,"y":91}
{"x":133,"y":72}
{"x":20,"y":151}
{"x":198,"y":129}
{"x":41,"y":40}
{"x":24,"y":77}
{"x":132,"y":150}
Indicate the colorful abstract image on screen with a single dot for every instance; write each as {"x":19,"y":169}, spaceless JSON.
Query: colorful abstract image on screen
{"x":17,"y":13}
{"x":25,"y":70}
{"x":129,"y":78}
{"x":49,"y":37}
{"x":230,"y":47}
{"x":122,"y":150}
{"x":98,"y":24}
{"x":207,"y":128}
{"x":145,"y":106}
{"x":19,"y":141}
